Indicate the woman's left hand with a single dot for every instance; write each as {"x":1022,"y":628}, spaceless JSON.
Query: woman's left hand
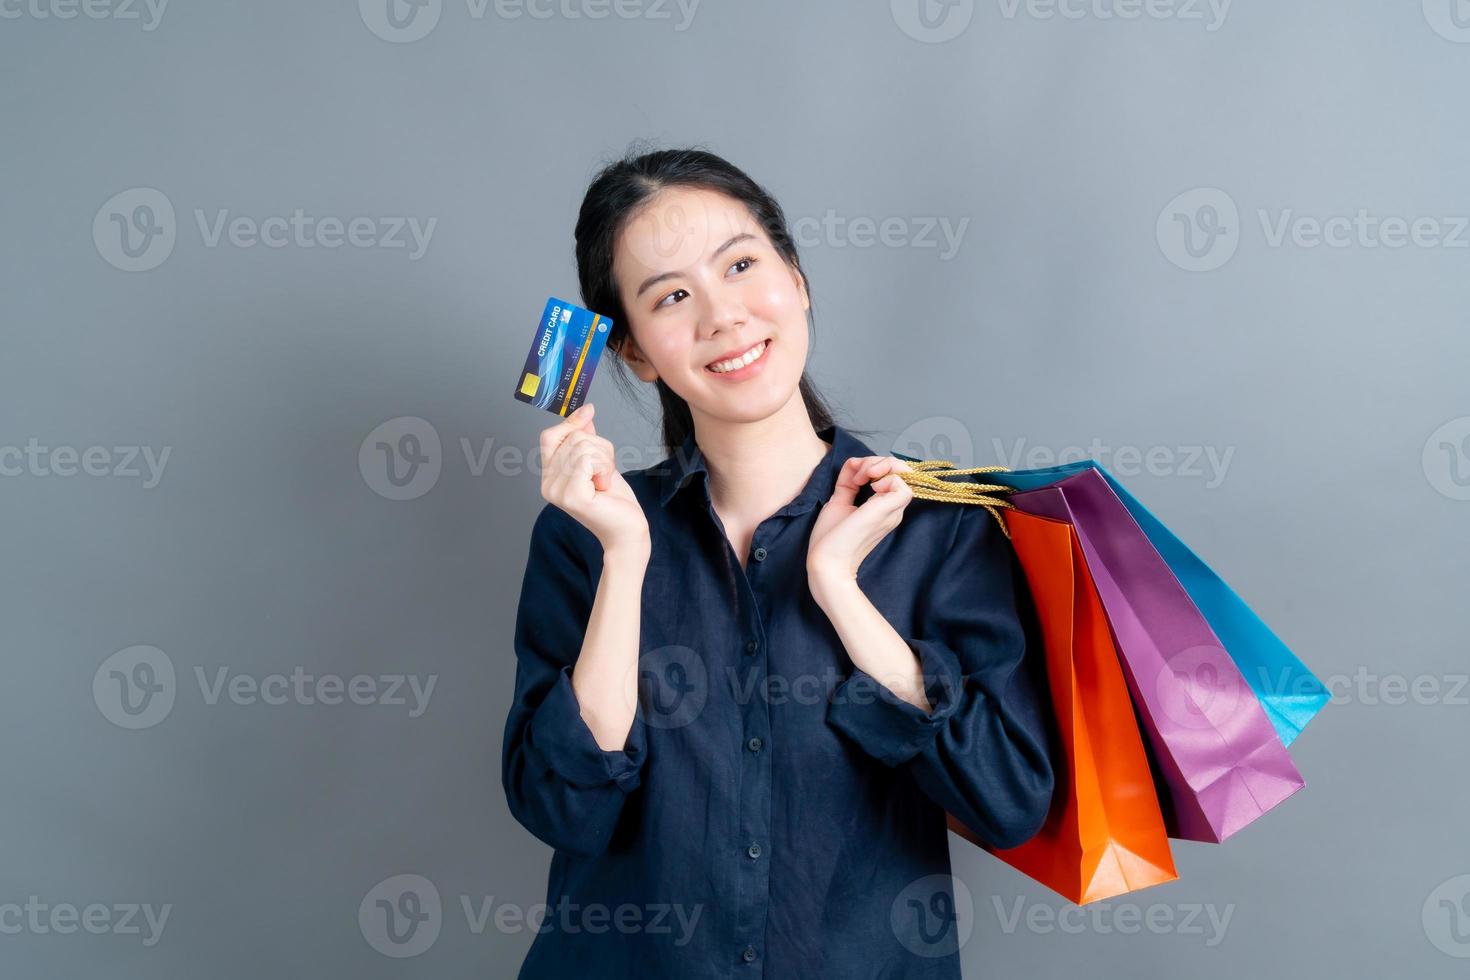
{"x":845,"y":533}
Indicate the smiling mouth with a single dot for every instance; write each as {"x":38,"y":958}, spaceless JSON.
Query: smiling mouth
{"x":750,"y":356}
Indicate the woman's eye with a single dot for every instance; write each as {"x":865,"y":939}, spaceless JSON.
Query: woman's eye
{"x":739,"y":265}
{"x":747,"y":261}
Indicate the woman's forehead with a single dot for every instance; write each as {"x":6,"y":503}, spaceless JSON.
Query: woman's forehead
{"x":679,"y":227}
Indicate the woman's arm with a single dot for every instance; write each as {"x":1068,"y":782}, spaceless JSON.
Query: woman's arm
{"x":605,"y":678}
{"x":872,"y":643}
{"x":978,"y":743}
{"x":572,"y":752}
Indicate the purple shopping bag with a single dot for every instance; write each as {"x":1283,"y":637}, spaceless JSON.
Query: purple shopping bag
{"x":1220,"y":760}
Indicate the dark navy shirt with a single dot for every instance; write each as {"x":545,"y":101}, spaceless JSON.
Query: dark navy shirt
{"x":775,"y":812}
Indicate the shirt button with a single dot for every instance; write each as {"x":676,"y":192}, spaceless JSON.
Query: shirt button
{"x":754,"y":850}
{"x":754,"y":744}
{"x":748,"y":954}
{"x":759,"y":554}
{"x":750,"y":646}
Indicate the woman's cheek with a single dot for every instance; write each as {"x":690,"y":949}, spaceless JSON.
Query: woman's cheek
{"x":675,"y":351}
{"x":671,"y":347}
{"x":776,"y":301}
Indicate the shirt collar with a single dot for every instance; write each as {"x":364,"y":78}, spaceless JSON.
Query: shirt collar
{"x":688,"y":462}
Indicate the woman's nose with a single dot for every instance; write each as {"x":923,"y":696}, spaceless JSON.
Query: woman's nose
{"x":725,"y":312}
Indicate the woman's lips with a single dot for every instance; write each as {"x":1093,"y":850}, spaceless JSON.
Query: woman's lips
{"x":749,"y":370}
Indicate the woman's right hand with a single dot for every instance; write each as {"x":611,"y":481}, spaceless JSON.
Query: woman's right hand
{"x":579,"y":474}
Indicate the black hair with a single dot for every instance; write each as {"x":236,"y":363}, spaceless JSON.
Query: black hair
{"x":616,"y":193}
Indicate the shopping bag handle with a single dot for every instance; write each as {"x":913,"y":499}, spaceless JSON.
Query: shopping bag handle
{"x":926,"y":478}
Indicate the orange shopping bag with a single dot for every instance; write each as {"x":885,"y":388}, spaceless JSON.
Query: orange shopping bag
{"x":1105,"y":834}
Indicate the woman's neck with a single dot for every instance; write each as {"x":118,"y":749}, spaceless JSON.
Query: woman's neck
{"x":756,"y":468}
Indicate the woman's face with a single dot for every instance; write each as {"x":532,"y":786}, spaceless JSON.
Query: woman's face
{"x":704,"y":289}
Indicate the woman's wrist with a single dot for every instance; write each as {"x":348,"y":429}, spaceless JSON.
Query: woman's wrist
{"x":828,"y":585}
{"x":631,"y":556}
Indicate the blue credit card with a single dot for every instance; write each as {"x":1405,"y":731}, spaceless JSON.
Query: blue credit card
{"x":568,"y":344}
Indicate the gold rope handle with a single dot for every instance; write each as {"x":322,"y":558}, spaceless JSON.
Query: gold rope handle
{"x":925,"y":478}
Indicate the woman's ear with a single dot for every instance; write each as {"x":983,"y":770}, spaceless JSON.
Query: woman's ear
{"x":806,"y":300}
{"x":628,"y":350}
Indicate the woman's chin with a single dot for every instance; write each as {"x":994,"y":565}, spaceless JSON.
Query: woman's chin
{"x":757,"y":400}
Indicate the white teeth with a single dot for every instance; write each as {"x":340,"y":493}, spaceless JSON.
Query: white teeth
{"x":720,"y":367}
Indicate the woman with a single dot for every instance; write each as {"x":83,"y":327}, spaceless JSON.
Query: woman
{"x":752,"y":678}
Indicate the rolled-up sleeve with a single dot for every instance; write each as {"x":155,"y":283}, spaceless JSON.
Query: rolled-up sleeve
{"x":984,"y":751}
{"x":559,"y":783}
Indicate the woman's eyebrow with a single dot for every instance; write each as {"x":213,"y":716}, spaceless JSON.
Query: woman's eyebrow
{"x":661,"y":276}
{"x":732,"y":240}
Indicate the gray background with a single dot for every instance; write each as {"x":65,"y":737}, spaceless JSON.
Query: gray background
{"x":1334,"y":377}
